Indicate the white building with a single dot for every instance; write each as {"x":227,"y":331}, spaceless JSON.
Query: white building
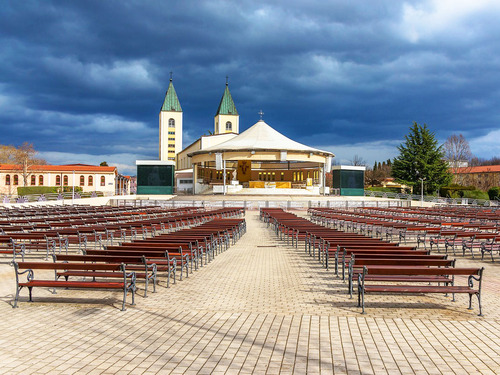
{"x":88,"y":177}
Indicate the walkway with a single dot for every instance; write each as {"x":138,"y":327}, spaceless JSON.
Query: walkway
{"x":260,"y":307}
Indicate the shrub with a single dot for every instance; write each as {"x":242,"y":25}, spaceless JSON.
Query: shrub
{"x":70,"y":189}
{"x":494,"y":193}
{"x":476,"y":194}
{"x":454,"y":191}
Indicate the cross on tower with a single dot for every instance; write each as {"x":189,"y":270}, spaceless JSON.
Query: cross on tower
{"x":171,"y":75}
{"x":260,"y":113}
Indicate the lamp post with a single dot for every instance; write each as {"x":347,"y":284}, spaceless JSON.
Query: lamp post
{"x":73,"y":190}
{"x":421,"y":191}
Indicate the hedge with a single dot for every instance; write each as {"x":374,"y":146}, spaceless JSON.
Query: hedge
{"x":29,"y":190}
{"x":384,"y":189}
{"x":476,"y":194}
{"x":454,"y":191}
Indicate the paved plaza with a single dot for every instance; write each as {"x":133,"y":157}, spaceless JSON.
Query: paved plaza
{"x":261,"y":307}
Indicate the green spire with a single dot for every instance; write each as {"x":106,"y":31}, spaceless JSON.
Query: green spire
{"x":171,"y":102}
{"x":226,"y":106}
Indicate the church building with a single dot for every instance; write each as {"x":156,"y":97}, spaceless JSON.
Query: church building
{"x":259,"y":158}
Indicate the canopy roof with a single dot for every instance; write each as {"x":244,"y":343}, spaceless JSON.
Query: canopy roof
{"x":261,"y":137}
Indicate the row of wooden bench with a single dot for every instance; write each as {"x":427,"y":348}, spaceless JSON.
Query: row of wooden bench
{"x":393,"y":268}
{"x":433,"y":233}
{"x":17,"y":243}
{"x":119,"y":267}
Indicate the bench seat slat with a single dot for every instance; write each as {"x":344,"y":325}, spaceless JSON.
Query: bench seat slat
{"x":101,"y":274}
{"x":419,"y":289}
{"x":73,"y":284}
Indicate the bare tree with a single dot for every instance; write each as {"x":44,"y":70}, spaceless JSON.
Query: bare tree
{"x":358,"y":161}
{"x":7,"y":154}
{"x":23,"y":157}
{"x":458,"y":155}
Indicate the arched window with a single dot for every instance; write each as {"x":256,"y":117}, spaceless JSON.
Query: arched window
{"x":58,"y":180}
{"x":40,"y":180}
{"x":103,"y":181}
{"x":16,"y":179}
{"x":82,"y":181}
{"x":91,"y":181}
{"x":7,"y":179}
{"x":65,"y":180}
{"x":229,"y":126}
{"x":33,"y":180}
{"x":171,"y":123}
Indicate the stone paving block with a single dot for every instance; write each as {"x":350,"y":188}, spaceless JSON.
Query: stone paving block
{"x":259,"y":305}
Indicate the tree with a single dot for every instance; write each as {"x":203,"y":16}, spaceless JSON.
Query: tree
{"x":104,"y":164}
{"x":378,"y":174}
{"x":458,"y":155}
{"x":7,"y":154}
{"x":23,"y":157}
{"x":420,"y":157}
{"x":358,"y":161}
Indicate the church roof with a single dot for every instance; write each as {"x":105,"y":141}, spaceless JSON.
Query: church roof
{"x":171,"y":102}
{"x":226,"y":106}
{"x":261,"y":137}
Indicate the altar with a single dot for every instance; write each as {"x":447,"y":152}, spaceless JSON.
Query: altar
{"x":269,"y":184}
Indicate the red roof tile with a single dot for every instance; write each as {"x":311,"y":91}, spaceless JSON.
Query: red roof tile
{"x":61,"y":168}
{"x":480,"y":169}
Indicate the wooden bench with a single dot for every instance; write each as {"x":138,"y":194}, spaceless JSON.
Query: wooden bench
{"x":473,"y":274}
{"x":357,"y":263}
{"x":489,"y":246}
{"x":127,"y":284}
{"x":144,"y":270}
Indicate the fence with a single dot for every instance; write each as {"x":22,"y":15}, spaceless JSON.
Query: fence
{"x":430,"y":198}
{"x":68,"y":195}
{"x":256,"y":205}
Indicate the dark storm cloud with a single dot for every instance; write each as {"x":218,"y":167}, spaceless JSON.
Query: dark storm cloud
{"x":85,"y":80}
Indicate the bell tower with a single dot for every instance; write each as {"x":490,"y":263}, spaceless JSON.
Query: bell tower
{"x":170,"y":125}
{"x":227,"y":119}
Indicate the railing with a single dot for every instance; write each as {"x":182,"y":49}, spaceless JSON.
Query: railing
{"x":431,"y":199}
{"x":68,"y":195}
{"x":256,"y":205}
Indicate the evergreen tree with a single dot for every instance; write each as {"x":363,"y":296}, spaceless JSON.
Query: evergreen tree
{"x":421,"y":157}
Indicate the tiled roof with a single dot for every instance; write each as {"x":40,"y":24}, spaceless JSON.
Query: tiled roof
{"x":171,"y":102}
{"x":60,"y":168}
{"x":226,"y":105}
{"x":480,"y":169}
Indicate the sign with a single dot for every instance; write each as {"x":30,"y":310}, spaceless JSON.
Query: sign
{"x":218,"y":161}
{"x":328,"y":164}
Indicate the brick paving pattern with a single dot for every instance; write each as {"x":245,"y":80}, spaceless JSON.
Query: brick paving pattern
{"x":259,"y":308}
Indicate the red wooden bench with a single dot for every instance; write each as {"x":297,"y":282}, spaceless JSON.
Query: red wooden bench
{"x":127,"y":284}
{"x":144,"y":270}
{"x":473,"y":275}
